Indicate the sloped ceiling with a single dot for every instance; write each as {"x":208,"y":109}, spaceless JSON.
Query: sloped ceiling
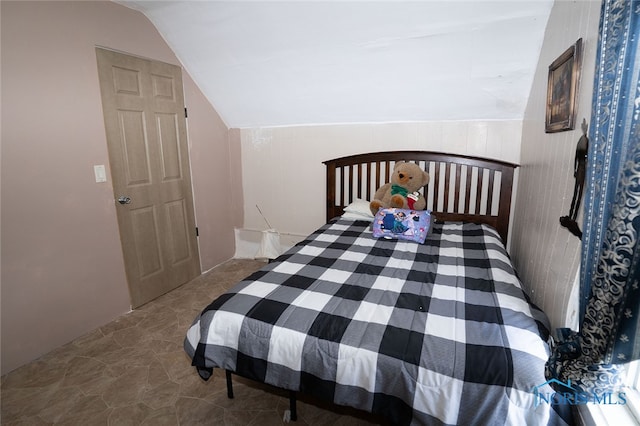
{"x":268,"y":63}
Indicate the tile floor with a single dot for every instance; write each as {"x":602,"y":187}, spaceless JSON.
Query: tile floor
{"x":133,"y":371}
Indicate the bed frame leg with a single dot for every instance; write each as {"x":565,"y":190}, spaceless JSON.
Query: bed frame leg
{"x":229,"y":384}
{"x":292,"y":406}
{"x":292,"y":397}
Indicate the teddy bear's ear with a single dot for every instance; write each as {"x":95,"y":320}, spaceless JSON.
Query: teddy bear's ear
{"x":425,"y":178}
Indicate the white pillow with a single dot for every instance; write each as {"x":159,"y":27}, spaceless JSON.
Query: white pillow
{"x":358,"y":209}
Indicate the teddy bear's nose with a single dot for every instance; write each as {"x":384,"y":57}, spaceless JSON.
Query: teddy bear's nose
{"x":401,"y":175}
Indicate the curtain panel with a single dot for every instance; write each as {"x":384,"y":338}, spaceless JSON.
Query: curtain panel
{"x":609,"y":282}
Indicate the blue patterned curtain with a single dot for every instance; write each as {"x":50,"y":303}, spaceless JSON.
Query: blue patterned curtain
{"x":609,"y":300}
{"x":609,"y":281}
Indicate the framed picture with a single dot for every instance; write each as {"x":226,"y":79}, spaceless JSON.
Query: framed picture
{"x":562,"y":90}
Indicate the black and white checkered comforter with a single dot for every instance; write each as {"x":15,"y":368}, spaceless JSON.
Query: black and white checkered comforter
{"x":439,"y":333}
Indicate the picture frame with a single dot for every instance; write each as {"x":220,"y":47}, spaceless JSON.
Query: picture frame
{"x":562,"y":90}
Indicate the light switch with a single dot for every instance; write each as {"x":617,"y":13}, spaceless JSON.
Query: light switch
{"x":100,"y":172}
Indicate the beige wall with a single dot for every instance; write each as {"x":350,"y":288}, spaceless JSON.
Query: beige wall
{"x":298,"y":181}
{"x":62,"y":268}
{"x":545,"y":254}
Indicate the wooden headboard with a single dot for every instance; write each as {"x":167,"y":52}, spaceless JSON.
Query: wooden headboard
{"x":451,"y":194}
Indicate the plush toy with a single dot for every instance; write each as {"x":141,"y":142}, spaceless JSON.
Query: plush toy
{"x":402,"y":191}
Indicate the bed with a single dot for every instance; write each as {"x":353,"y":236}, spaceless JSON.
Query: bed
{"x":436,"y":333}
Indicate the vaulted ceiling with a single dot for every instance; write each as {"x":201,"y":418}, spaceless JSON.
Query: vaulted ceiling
{"x":268,"y":63}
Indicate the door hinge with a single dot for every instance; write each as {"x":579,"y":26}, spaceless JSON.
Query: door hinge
{"x":197,"y":232}
{"x":185,"y":112}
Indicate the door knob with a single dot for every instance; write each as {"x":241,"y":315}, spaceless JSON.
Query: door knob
{"x":124,"y":200}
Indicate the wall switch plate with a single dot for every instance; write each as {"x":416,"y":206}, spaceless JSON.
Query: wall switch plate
{"x":100,"y":172}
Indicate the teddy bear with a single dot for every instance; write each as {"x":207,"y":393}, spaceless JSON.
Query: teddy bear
{"x":402,"y":190}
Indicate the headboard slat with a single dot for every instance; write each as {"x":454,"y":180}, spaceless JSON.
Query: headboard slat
{"x":490,"y":192}
{"x":456,"y":190}
{"x":447,"y":178}
{"x":368,"y":187}
{"x":479,"y":190}
{"x":498,"y":173}
{"x":436,"y":186}
{"x":360,"y":179}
